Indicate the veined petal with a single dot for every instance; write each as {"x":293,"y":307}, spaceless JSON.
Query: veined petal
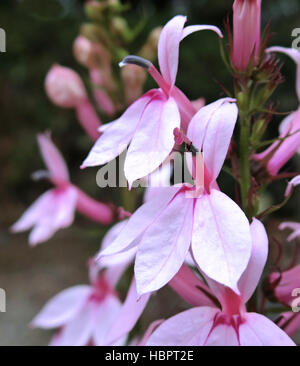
{"x":129,"y":314}
{"x":164,"y":246}
{"x":117,"y":135}
{"x":168,"y":48}
{"x":221,"y":242}
{"x":62,"y":308}
{"x":259,"y":253}
{"x":139,"y":221}
{"x":105,"y":314}
{"x":258,"y":330}
{"x":78,"y":331}
{"x":222,"y":335}
{"x":211,"y":130}
{"x":153,"y":140}
{"x":53,"y":158}
{"x":189,"y":328}
{"x":116,"y":264}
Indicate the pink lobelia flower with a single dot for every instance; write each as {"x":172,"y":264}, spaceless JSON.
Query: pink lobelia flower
{"x":55,"y":209}
{"x":231,"y":325}
{"x":149,"y":122}
{"x":94,"y":314}
{"x":246,"y":32}
{"x":65,"y":89}
{"x":281,"y":151}
{"x":173,"y":220}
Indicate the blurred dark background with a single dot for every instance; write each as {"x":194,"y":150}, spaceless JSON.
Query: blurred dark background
{"x":40,"y":33}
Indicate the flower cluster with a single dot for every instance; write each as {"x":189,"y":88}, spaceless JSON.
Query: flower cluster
{"x":192,"y":236}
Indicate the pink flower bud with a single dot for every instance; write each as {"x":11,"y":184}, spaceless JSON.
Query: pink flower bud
{"x":64,"y":87}
{"x":246,"y":32}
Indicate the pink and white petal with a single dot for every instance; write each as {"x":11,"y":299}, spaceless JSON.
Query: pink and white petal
{"x":139,"y":222}
{"x":53,"y":158}
{"x":105,"y":314}
{"x":221,"y":242}
{"x":286,"y":122}
{"x":218,"y":136}
{"x":168,"y":48}
{"x":62,"y":308}
{"x":291,"y":185}
{"x":211,"y":130}
{"x":164,"y":246}
{"x":191,"y":288}
{"x":117,"y":135}
{"x":259,"y":254}
{"x":295,"y":226}
{"x":294,"y":55}
{"x":153,"y":140}
{"x":195,"y":28}
{"x":129,"y":314}
{"x":189,"y":328}
{"x":59,"y":213}
{"x":33,"y":214}
{"x":116,"y":264}
{"x":79,"y":330}
{"x":257,"y":330}
{"x":222,"y":335}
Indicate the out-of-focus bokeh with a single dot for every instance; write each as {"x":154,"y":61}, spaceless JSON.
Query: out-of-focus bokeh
{"x":40,"y":33}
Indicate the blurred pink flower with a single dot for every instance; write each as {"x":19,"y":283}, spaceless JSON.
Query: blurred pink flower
{"x":94,"y":315}
{"x":55,"y":209}
{"x":65,"y":89}
{"x":173,"y":220}
{"x":232,"y":325}
{"x":281,"y":151}
{"x":149,"y":122}
{"x":246,"y":32}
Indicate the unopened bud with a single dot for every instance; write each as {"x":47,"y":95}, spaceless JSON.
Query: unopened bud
{"x":64,"y":86}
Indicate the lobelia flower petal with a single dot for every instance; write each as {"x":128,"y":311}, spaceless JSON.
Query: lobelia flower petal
{"x":62,"y":308}
{"x":211,"y":130}
{"x":105,"y":314}
{"x":195,"y":28}
{"x":222,"y":335}
{"x":58,"y":213}
{"x":129,"y":314}
{"x":116,"y":264}
{"x":153,"y":140}
{"x":168,"y":45}
{"x":221,"y":241}
{"x":259,"y":253}
{"x":294,"y":55}
{"x":168,"y":48}
{"x":164,"y":245}
{"x":78,"y":331}
{"x":257,"y":330}
{"x":32,"y":215}
{"x":194,"y":325}
{"x":139,"y":221}
{"x":291,"y":185}
{"x":53,"y":158}
{"x":117,"y":135}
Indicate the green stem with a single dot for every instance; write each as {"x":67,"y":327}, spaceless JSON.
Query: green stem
{"x":245,"y":176}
